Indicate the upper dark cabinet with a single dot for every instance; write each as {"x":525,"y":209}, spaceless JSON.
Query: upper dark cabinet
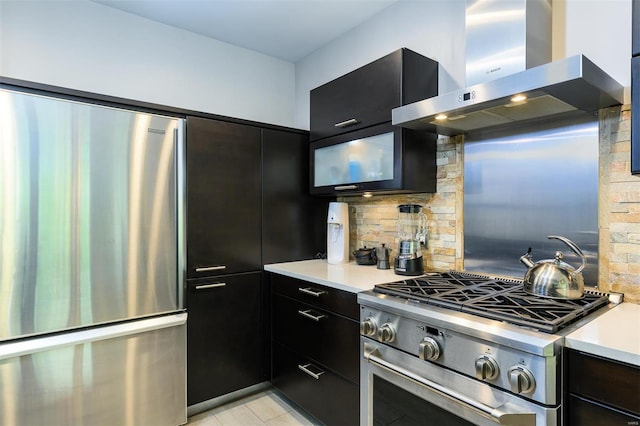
{"x":224,"y":188}
{"x":366,"y":96}
{"x":381,"y":159}
{"x":635,"y":115}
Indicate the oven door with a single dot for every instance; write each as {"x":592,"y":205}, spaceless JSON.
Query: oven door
{"x":397,"y":388}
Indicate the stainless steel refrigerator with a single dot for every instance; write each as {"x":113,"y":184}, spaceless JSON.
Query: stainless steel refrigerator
{"x":92,"y":319}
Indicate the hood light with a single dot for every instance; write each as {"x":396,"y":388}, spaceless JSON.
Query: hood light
{"x":518,"y":98}
{"x":367,"y":195}
{"x":441,"y":117}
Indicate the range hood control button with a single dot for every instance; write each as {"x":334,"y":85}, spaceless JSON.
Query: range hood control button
{"x":386,"y":333}
{"x":429,"y":349}
{"x":369,"y":327}
{"x":521,"y":380}
{"x":486,"y":368}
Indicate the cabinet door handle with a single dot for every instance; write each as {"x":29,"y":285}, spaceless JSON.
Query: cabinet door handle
{"x":345,"y":187}
{"x":206,"y":286}
{"x":309,"y":315}
{"x":346,"y":123}
{"x":211,"y":268}
{"x":305,"y":368}
{"x":311,"y":292}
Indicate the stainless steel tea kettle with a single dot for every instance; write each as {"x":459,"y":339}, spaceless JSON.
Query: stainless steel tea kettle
{"x":554,"y":278}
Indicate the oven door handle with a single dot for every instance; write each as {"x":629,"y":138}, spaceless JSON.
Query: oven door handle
{"x":498,"y":415}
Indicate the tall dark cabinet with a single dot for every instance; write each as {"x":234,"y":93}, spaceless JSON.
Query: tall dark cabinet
{"x":224,"y":290}
{"x":247,"y":205}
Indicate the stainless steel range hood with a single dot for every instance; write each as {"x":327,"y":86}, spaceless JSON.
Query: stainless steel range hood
{"x":510,"y":42}
{"x":571,"y":85}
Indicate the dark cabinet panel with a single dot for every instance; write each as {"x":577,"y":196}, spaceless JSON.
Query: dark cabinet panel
{"x":223,"y":198}
{"x":366,"y":96}
{"x":323,"y":297}
{"x":320,"y":335}
{"x":225,"y":350}
{"x":326,"y":396}
{"x":605,"y":391}
{"x":635,"y":27}
{"x":294,"y":223}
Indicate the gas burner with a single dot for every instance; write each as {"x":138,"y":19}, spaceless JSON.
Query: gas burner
{"x":495,"y":298}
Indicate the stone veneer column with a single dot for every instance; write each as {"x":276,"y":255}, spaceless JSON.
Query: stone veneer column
{"x":618,"y":207}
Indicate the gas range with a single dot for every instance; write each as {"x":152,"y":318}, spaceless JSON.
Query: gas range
{"x":495,"y":298}
{"x":483,"y":335}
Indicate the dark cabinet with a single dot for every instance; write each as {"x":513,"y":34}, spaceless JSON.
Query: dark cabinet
{"x":294,"y":223}
{"x":224,"y":191}
{"x":247,"y":204}
{"x":635,"y":28}
{"x":635,"y":88}
{"x":225,"y":350}
{"x":601,"y":391}
{"x":379,"y":159}
{"x":315,"y":348}
{"x":355,"y":149}
{"x":366,"y":96}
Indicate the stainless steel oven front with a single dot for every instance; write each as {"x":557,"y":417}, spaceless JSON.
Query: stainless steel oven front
{"x":398,"y":388}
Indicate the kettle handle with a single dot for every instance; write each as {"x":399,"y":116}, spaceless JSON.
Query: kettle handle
{"x":574,"y":247}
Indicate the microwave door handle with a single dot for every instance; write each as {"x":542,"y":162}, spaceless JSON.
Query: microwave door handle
{"x":496,"y":414}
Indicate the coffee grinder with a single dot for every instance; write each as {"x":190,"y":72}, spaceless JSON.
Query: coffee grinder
{"x":412,"y":230}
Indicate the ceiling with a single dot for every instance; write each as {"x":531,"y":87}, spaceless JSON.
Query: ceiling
{"x":285,"y":29}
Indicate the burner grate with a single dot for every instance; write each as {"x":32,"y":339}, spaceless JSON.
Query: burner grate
{"x":494,"y":298}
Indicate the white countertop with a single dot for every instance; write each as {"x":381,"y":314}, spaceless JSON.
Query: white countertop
{"x":615,"y":335}
{"x":347,"y":276}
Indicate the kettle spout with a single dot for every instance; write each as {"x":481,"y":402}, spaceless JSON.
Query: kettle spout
{"x":525,"y":259}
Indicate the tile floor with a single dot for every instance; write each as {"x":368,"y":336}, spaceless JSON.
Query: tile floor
{"x":263,"y":408}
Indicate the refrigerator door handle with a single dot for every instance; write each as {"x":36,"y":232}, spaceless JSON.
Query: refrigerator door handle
{"x":40,"y":344}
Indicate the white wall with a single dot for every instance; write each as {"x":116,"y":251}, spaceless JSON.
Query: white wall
{"x":87,"y":46}
{"x":599,"y":29}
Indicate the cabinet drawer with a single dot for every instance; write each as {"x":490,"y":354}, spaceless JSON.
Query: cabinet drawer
{"x":607,"y":382}
{"x":584,"y":412}
{"x":328,"y":397}
{"x":366,"y":96}
{"x":342,"y":302}
{"x":321,"y":335}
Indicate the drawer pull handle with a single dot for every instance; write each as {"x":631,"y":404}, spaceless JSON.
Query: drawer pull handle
{"x":305,"y":368}
{"x":311,"y":292}
{"x":309,"y":315}
{"x":211,"y":268}
{"x":206,"y":286}
{"x":345,"y":187}
{"x":346,"y":123}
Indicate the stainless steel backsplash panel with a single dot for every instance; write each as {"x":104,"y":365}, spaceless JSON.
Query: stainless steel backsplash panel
{"x":523,"y":184}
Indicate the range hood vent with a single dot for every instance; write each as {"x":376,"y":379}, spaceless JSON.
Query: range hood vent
{"x":508,"y":53}
{"x":571,"y":85}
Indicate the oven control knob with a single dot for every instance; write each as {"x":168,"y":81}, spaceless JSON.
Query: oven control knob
{"x":369,"y":327}
{"x":486,"y":368}
{"x":429,"y":349}
{"x":521,"y":380}
{"x":386,"y":333}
